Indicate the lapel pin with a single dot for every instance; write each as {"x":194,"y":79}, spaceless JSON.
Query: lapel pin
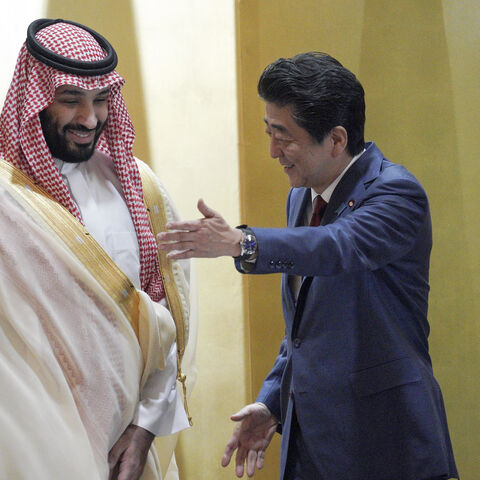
{"x":351,"y":203}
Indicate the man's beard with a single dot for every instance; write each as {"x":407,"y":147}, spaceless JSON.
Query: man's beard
{"x":58,"y":144}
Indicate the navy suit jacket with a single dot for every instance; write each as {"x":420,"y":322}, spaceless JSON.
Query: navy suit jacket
{"x":354,"y":360}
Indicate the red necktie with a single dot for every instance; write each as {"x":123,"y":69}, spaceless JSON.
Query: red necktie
{"x":319,"y":206}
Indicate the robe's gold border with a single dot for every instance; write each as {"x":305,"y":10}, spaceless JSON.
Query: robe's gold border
{"x":78,"y":240}
{"x":154,"y":201}
{"x":156,"y":211}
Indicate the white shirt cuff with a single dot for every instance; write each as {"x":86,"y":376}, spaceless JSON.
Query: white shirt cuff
{"x":160,"y":409}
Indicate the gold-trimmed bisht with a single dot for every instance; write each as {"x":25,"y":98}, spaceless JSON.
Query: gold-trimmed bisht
{"x":79,"y":241}
{"x":98,"y":262}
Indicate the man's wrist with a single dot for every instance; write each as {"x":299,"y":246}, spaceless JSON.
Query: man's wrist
{"x":237,"y":238}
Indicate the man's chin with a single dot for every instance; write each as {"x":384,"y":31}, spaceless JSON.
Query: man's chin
{"x":80,"y":153}
{"x":76,"y":158}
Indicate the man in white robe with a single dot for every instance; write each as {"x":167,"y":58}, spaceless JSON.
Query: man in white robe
{"x":88,"y":358}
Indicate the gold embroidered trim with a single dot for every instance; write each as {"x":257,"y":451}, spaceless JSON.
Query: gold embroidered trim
{"x":78,"y":240}
{"x":155,"y":204}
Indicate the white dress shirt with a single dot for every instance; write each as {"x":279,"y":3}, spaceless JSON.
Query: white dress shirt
{"x":327,"y":193}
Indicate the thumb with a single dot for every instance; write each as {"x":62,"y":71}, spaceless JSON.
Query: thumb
{"x":241,"y":414}
{"x":205,"y":210}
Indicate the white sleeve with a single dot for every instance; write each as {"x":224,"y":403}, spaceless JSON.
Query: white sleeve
{"x":160,"y":409}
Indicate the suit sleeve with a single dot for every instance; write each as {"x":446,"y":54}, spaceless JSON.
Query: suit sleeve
{"x":383,"y":227}
{"x":270,"y":392}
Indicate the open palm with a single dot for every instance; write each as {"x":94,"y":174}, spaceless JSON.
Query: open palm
{"x":252,"y":435}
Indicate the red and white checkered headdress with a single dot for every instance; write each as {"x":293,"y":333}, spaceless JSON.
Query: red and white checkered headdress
{"x":23,"y":144}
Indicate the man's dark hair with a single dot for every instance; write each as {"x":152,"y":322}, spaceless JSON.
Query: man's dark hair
{"x":322,"y":94}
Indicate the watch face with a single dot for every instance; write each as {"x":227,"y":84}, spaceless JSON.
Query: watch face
{"x":249,"y":244}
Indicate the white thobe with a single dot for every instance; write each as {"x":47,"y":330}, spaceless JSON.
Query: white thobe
{"x":97,"y":192}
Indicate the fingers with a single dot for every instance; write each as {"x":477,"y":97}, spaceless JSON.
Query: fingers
{"x":251,"y":458}
{"x":185,"y":225}
{"x":181,"y":236}
{"x":182,"y":254}
{"x":251,"y":462}
{"x":174,"y":237}
{"x":114,"y":456}
{"x":193,"y":225}
{"x":260,"y":459}
{"x":228,"y":452}
{"x":240,"y":461}
{"x":231,"y":446}
{"x":178,"y":244}
{"x":227,"y":456}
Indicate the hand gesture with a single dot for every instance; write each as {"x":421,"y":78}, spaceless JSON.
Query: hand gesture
{"x":128,"y":456}
{"x":210,"y":236}
{"x":250,"y":438}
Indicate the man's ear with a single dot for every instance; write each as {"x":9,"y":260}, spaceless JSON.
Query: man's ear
{"x":339,"y":137}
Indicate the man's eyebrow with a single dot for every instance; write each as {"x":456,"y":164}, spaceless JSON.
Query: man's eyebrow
{"x":79,"y":93}
{"x":280,"y":128}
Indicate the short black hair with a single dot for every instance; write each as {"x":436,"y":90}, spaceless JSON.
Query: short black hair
{"x":322,"y":94}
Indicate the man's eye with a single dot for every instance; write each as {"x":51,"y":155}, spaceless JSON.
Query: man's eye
{"x":69,"y":101}
{"x":101,"y":100}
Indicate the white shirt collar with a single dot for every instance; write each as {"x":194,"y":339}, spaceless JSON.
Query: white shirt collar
{"x":327,"y":193}
{"x":65,"y":167}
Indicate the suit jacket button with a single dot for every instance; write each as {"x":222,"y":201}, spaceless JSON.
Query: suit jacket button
{"x":297,"y":342}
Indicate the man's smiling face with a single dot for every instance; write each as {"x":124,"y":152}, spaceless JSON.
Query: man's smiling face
{"x":306,"y":162}
{"x":72,"y":124}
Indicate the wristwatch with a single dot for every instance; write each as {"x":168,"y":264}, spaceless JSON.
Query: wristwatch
{"x":248,"y":244}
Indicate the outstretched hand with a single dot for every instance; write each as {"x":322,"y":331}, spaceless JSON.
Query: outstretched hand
{"x":210,"y":236}
{"x":251,"y":437}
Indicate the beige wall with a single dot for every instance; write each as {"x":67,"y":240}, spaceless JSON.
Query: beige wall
{"x":188,"y":56}
{"x":419,"y":64}
{"x":14,"y":21}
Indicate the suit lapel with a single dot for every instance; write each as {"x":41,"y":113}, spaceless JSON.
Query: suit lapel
{"x":298,"y":202}
{"x":299,"y":199}
{"x":353,"y":185}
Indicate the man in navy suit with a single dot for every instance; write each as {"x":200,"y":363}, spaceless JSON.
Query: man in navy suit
{"x":352,"y":390}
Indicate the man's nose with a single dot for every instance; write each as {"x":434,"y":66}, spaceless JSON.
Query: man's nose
{"x":275,"y":150}
{"x":87,"y":116}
